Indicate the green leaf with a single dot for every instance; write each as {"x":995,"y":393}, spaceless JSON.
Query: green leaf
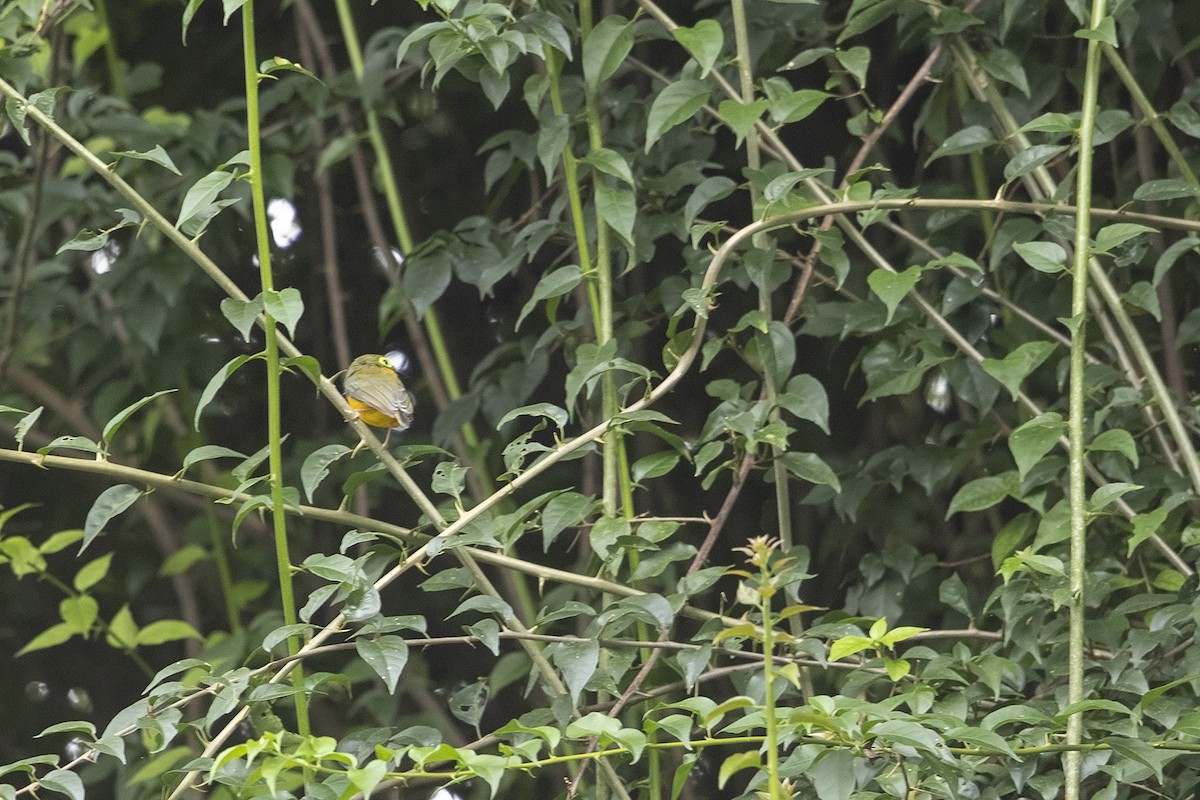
{"x":182,"y":560}
{"x":1145,"y":526}
{"x":654,"y":465}
{"x":92,"y":573}
{"x":79,"y":612}
{"x":848,"y":646}
{"x":230,"y":6}
{"x":155,"y":154}
{"x":201,"y":196}
{"x":678,"y":102}
{"x":117,"y":421}
{"x":166,"y":630}
{"x":72,"y":443}
{"x":366,"y":779}
{"x":741,"y":117}
{"x":217,"y":381}
{"x":863,"y":16}
{"x":982,"y":493}
{"x":805,"y":398}
{"x":112,"y":501}
{"x":611,"y":163}
{"x":891,"y":287}
{"x":1051,"y":122}
{"x":971,"y":139}
{"x":1135,"y":749}
{"x":425,"y":278}
{"x":281,"y":64}
{"x":387,"y":655}
{"x":24,"y":424}
{"x":550,"y":30}
{"x":1111,"y":236}
{"x":1004,"y":65}
{"x":911,"y":734}
{"x":563,"y":511}
{"x":60,"y":541}
{"x":900,"y":634}
{"x":1016,"y":366}
{"x":832,"y":774}
{"x":1033,"y":439}
{"x":983,"y":739}
{"x":747,"y":759}
{"x":1110,"y":493}
{"x":306,"y":364}
{"x":242,"y":314}
{"x":86,"y":241}
{"x":1117,"y":440}
{"x":789,"y":105}
{"x":316,"y":466}
{"x":485,"y":604}
{"x":1030,"y":159}
{"x":337,"y":150}
{"x":779,"y":188}
{"x":286,"y":306}
{"x":70,"y":726}
{"x":855,"y":60}
{"x":1143,"y":295}
{"x":555,"y":414}
{"x":1045,"y":257}
{"x":51,"y":637}
{"x":64,"y":781}
{"x":576,"y":662}
{"x":43,"y":101}
{"x":708,"y":191}
{"x":1096,"y":704}
{"x":704,"y":41}
{"x":1165,"y":189}
{"x":617,"y":206}
{"x":1105,"y":32}
{"x":206,"y":452}
{"x":553,"y":284}
{"x":604,"y":49}
{"x":812,"y":468}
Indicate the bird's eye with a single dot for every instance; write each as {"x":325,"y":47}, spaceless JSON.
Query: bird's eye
{"x":384,"y":362}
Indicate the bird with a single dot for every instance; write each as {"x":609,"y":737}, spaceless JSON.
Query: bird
{"x":376,"y":394}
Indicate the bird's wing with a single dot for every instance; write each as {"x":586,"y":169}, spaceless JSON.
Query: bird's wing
{"x":393,"y":400}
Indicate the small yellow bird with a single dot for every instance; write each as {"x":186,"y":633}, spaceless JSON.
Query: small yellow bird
{"x":376,"y":394}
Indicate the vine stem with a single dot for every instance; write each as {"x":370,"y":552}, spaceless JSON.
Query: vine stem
{"x":283,"y":561}
{"x":768,"y":642}
{"x":404,"y":239}
{"x":682,"y":367}
{"x":1076,"y":433}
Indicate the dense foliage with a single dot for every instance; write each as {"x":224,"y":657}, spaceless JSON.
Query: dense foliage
{"x":736,"y":328}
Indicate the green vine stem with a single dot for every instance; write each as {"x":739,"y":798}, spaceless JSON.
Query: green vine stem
{"x":331,"y":393}
{"x":116,"y":73}
{"x":1149,"y":114}
{"x":617,"y":489}
{"x":682,"y":367}
{"x":404,"y":239}
{"x":283,"y":561}
{"x":1076,"y":414}
{"x":1041,"y":185}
